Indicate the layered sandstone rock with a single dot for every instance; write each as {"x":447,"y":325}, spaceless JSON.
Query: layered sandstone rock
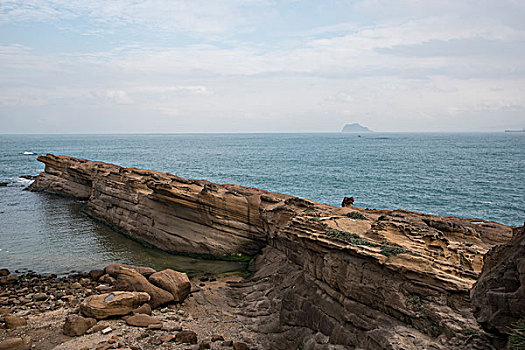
{"x":499,"y":294}
{"x":112,"y":304}
{"x":327,"y":277}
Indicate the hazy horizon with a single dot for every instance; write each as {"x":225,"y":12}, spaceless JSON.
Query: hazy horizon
{"x":260,"y":66}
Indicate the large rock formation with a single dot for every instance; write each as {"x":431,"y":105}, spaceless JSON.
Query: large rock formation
{"x":499,"y":294}
{"x":326,"y":277}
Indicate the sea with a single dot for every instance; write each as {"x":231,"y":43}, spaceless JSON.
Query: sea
{"x":473,"y":175}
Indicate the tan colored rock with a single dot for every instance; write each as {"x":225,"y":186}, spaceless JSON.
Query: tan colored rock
{"x":112,"y":304}
{"x":142,"y":320}
{"x":113,"y":269}
{"x":177,"y":283}
{"x":76,"y":325}
{"x":144,"y":309}
{"x":4,"y":311}
{"x":12,"y":322}
{"x":131,"y":280}
{"x":24,"y":343}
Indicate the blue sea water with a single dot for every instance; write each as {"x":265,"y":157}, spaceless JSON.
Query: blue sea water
{"x":477,"y":175}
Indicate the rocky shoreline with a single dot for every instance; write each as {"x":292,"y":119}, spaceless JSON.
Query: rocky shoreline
{"x":324,"y":277}
{"x":50,"y":312}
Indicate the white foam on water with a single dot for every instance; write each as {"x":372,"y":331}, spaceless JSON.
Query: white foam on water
{"x":28,"y":153}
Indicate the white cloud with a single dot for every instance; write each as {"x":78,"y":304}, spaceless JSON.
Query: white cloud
{"x":413,"y":66}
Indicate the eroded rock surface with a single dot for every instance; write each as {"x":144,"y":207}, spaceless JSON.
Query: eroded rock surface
{"x":327,"y":277}
{"x":499,"y":294}
{"x":112,"y":304}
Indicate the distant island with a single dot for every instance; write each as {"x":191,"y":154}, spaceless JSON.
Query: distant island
{"x":355,"y":127}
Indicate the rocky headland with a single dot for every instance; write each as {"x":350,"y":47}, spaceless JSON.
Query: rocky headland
{"x":324,"y":277}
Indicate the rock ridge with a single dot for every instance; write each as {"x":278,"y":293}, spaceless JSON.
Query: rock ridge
{"x":324,"y":276}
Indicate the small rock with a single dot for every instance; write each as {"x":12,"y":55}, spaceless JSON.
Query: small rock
{"x":40,"y":296}
{"x":227,"y":343}
{"x":76,"y":285}
{"x":217,"y":337}
{"x":16,"y":344}
{"x":240,"y":346}
{"x":204,"y":345}
{"x":103,"y":288}
{"x":4,"y":311}
{"x":96,"y":274}
{"x":144,"y":309}
{"x":142,"y":320}
{"x":12,"y":322}
{"x":106,"y":330}
{"x":186,"y":337}
{"x":96,"y":328}
{"x":4,"y":272}
{"x":166,"y":338}
{"x":76,"y":325}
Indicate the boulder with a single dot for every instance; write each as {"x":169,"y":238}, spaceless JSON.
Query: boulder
{"x":186,"y":337}
{"x":498,"y":296}
{"x":16,"y":344}
{"x":347,"y":202}
{"x":113,"y":269}
{"x":112,"y":304}
{"x":12,"y":322}
{"x":4,"y":272}
{"x":76,"y":325}
{"x":177,"y":283}
{"x":142,"y":320}
{"x":131,"y":280}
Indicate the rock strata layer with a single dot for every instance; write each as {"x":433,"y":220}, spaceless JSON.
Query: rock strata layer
{"x":326,"y":277}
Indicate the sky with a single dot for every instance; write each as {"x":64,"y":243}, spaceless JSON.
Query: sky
{"x":170,"y":66}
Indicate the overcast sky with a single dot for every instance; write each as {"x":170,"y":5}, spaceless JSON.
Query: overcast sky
{"x":90,"y":66}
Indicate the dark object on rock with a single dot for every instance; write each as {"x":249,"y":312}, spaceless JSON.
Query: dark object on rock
{"x":240,"y":346}
{"x":131,"y":280}
{"x":177,"y":283}
{"x":12,"y":322}
{"x":76,"y":325}
{"x":499,"y":294}
{"x":3,"y":184}
{"x":96,"y":274}
{"x":347,"y":202}
{"x":217,"y":337}
{"x":16,"y":344}
{"x":4,"y":272}
{"x":186,"y":337}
